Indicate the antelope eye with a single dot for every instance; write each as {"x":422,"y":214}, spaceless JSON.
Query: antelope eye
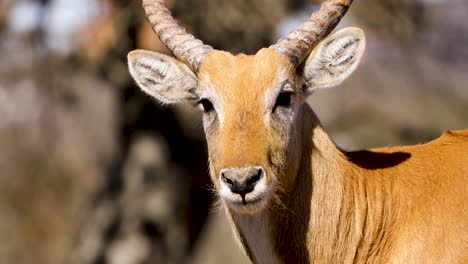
{"x":205,"y":105}
{"x":284,"y":99}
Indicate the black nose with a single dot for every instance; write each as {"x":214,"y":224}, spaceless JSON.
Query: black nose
{"x":242,"y":180}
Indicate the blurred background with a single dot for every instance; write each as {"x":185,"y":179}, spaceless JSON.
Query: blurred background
{"x":94,"y":171}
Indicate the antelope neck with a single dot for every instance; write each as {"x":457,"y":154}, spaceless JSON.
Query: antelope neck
{"x":322,"y":218}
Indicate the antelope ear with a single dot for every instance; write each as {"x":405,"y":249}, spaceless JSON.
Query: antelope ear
{"x":163,"y":77}
{"x":334,"y":59}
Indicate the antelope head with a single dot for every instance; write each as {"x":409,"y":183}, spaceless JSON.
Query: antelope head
{"x":250,"y":103}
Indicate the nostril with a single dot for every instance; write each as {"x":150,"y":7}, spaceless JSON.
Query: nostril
{"x":255,"y":178}
{"x":226,"y":180}
{"x":242,"y":180}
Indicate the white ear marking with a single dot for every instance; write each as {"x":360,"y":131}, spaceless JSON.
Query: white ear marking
{"x":162,"y":76}
{"x":334,"y":59}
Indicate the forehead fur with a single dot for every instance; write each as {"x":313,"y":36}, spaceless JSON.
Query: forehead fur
{"x":252,"y":74}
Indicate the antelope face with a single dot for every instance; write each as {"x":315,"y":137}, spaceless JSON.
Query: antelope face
{"x":250,"y":104}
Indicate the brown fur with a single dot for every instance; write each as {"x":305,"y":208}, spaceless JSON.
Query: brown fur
{"x":397,"y":205}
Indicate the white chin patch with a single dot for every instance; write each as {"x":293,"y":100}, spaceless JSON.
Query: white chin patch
{"x":254,"y":201}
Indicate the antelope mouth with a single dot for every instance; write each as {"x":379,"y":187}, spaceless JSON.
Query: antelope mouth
{"x":247,"y":205}
{"x":244,"y":202}
{"x":251,"y":202}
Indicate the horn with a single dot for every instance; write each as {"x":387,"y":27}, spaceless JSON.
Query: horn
{"x":185,"y":46}
{"x":298,"y":44}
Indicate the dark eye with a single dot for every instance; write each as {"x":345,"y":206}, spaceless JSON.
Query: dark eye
{"x":206,"y":105}
{"x":284,"y":99}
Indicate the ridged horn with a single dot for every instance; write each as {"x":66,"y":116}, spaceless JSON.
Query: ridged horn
{"x":185,"y":46}
{"x":298,"y":44}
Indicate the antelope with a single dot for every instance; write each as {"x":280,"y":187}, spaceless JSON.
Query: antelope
{"x":290,"y":194}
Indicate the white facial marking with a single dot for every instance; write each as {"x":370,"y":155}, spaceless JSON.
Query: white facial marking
{"x":272,"y":94}
{"x":210,"y":93}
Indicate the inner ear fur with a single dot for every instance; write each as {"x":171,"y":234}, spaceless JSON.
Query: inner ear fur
{"x":163,"y":77}
{"x":334,"y":59}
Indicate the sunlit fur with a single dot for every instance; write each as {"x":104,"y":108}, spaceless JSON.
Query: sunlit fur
{"x":391,"y":205}
{"x":324,"y":205}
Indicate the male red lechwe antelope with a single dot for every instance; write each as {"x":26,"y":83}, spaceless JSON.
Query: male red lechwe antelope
{"x":292,"y":196}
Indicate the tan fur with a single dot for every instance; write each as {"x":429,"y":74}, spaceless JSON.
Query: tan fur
{"x":323,"y":205}
{"x":390,"y":205}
